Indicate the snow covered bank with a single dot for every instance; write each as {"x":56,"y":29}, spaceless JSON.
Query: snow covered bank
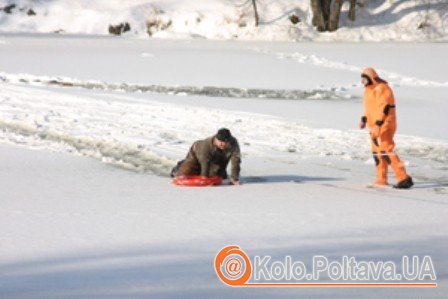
{"x":418,"y":20}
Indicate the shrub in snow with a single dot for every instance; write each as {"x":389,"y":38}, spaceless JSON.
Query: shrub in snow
{"x":119,"y":29}
{"x":8,"y":8}
{"x":157,"y":21}
{"x":294,"y":19}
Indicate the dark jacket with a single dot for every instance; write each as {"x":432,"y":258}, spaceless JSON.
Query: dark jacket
{"x":212,"y":161}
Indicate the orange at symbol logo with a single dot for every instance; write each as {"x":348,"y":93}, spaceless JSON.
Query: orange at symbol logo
{"x":233,"y":266}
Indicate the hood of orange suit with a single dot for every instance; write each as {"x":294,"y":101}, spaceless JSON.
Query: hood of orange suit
{"x":371,"y":73}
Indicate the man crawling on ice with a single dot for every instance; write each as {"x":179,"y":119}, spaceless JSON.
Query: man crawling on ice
{"x":210,"y":157}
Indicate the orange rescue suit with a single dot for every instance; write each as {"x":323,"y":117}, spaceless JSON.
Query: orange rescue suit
{"x":379,"y":106}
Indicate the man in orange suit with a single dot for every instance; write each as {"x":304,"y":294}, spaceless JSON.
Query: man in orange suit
{"x":380,"y":118}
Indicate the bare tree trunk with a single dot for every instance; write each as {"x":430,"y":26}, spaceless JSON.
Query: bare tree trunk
{"x":318,"y":15}
{"x":352,"y":10}
{"x":326,"y":7}
{"x":336,"y":7}
{"x":326,"y":13}
{"x":254,"y":3}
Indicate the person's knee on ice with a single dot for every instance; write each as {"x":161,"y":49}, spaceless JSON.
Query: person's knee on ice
{"x":188,"y":167}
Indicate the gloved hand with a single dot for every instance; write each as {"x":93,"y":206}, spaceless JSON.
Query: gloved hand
{"x":363,"y":122}
{"x":375,"y":132}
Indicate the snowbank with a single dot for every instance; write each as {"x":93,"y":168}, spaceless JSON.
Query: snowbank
{"x":419,"y":20}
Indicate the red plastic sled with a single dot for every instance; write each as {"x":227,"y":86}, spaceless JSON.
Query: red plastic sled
{"x":197,"y":181}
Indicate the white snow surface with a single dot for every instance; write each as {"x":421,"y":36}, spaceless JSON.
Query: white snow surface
{"x":377,"y":20}
{"x":87,"y":210}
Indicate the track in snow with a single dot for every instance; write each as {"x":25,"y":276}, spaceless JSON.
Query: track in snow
{"x":208,"y":91}
{"x":151,"y":136}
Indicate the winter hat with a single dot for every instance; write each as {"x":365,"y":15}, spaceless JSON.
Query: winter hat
{"x":223,"y":135}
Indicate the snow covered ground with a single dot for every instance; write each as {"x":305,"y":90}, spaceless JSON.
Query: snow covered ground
{"x":71,"y":226}
{"x":377,"y":20}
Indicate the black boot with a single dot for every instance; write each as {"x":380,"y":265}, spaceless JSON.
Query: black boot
{"x":405,"y":184}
